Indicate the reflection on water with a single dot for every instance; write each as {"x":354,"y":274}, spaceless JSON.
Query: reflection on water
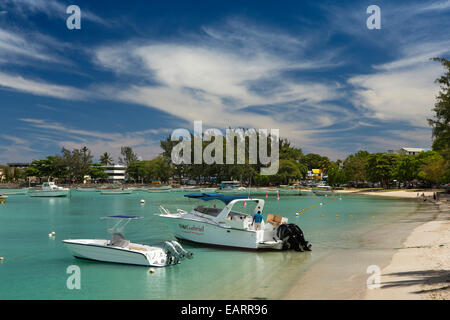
{"x":35,"y":265}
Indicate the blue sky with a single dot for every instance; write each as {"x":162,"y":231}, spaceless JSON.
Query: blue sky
{"x":137,"y":70}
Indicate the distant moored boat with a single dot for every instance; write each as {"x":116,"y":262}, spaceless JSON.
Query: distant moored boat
{"x":87,"y":189}
{"x":15,"y":192}
{"x":50,"y":189}
{"x":116,"y":191}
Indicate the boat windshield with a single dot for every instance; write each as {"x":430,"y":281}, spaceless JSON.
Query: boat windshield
{"x":214,"y":212}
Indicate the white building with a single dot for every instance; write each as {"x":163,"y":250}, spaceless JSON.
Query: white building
{"x":115,"y":172}
{"x":408,"y":151}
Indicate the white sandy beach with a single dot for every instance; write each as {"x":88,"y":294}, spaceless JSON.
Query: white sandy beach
{"x":399,"y":194}
{"x":417,"y":260}
{"x":421,"y":269}
{"x":396,"y":193}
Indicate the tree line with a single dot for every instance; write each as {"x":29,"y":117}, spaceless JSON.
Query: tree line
{"x":68,"y":166}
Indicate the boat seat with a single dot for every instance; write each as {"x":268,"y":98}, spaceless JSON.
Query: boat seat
{"x":137,"y":248}
{"x":237,"y":215}
{"x":118,"y":240}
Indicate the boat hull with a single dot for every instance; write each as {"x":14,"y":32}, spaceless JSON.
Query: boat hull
{"x":48,"y":194}
{"x":115,"y":192}
{"x":211,"y":234}
{"x":15,"y":193}
{"x":86,"y":189}
{"x":93,"y":249}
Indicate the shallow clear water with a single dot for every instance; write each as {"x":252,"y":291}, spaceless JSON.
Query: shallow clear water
{"x":34,"y":265}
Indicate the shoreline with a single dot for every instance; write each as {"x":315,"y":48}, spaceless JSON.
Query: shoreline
{"x":395,"y":193}
{"x":401,"y":194}
{"x":342,"y":275}
{"x":420,"y":270}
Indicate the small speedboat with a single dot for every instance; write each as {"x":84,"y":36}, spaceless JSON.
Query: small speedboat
{"x":49,"y":189}
{"x":3,"y":199}
{"x":230,"y":227}
{"x":208,"y":190}
{"x":160,"y":189}
{"x":120,"y":250}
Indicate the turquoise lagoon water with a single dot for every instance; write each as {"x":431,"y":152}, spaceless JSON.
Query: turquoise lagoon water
{"x":34,"y":265}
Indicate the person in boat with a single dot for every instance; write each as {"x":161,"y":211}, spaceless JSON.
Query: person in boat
{"x":257,"y":219}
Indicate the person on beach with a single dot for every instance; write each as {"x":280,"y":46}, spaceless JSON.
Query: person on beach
{"x":257,"y":218}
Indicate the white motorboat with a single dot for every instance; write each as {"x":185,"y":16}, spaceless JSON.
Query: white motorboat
{"x":50,"y":189}
{"x":208,"y":190}
{"x":120,"y":250}
{"x":160,"y":189}
{"x":3,"y":198}
{"x":322,"y":190}
{"x":226,"y":227}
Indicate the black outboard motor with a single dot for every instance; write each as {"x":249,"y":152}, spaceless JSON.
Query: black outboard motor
{"x":292,"y":237}
{"x":175,"y":250}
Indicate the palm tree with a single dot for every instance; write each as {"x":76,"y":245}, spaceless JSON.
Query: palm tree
{"x":106,"y":159}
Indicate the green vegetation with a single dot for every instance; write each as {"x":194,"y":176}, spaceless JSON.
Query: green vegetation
{"x":149,"y":170}
{"x":106,"y":159}
{"x":441,"y":121}
{"x":69,"y":166}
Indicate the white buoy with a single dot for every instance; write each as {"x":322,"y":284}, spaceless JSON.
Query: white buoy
{"x":321,"y":203}
{"x":151,"y":270}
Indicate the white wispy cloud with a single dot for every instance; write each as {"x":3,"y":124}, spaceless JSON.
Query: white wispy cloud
{"x":63,"y":135}
{"x":16,"y":47}
{"x":402,"y":90}
{"x":14,"y":139}
{"x":40,"y":87}
{"x":15,"y":149}
{"x":396,"y":139}
{"x":214,"y":77}
{"x":436,"y":6}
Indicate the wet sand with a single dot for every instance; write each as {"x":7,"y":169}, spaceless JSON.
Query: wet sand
{"x":343,"y":274}
{"x":421,"y":269}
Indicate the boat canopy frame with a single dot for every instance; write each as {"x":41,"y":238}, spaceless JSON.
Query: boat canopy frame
{"x":228,"y":209}
{"x":208,"y":196}
{"x":119,"y":226}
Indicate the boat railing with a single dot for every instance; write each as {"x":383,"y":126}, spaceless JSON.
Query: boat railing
{"x":163,"y":210}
